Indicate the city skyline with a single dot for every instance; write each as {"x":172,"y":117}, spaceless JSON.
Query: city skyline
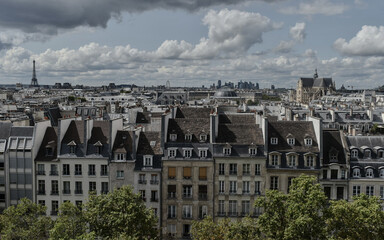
{"x":192,"y":44}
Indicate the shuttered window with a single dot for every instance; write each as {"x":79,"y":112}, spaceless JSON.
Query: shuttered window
{"x":187,"y":173}
{"x":172,"y":172}
{"x":203,"y":173}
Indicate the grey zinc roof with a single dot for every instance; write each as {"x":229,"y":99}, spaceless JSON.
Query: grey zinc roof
{"x":318,"y":82}
{"x":332,"y":141}
{"x":5,"y":130}
{"x":22,"y":131}
{"x":369,"y":141}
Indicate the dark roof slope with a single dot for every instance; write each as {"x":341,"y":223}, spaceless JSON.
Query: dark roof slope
{"x":317,"y":82}
{"x":100,"y":132}
{"x":123,"y":141}
{"x":183,"y":126}
{"x":49,"y":140}
{"x":332,"y":142}
{"x":5,"y":130}
{"x":299,"y":130}
{"x":75,"y":132}
{"x":149,"y":143}
{"x":21,"y":131}
{"x":188,"y":112}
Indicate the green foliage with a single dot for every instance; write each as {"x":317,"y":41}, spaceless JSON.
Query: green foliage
{"x":70,"y":224}
{"x":26,"y":220}
{"x":252,"y":103}
{"x":207,"y":229}
{"x":270,"y":98}
{"x":120,"y":213}
{"x":361,"y":219}
{"x":71,"y":98}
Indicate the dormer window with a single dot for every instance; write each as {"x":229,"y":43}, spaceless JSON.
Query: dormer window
{"x":274,"y":141}
{"x":203,"y":137}
{"x":173,"y":137}
{"x":354,"y":153}
{"x":227,"y":151}
{"x":310,"y":160}
{"x":148,"y":160}
{"x":356,"y":172}
{"x":48,"y":151}
{"x":367,"y":153}
{"x":291,"y":141}
{"x":252,"y":151}
{"x":380,"y":154}
{"x":292,"y":160}
{"x":369,"y":173}
{"x":187,"y":153}
{"x":308,"y":141}
{"x":333,"y":155}
{"x":72,"y":147}
{"x":98,"y":145}
{"x":274,"y":159}
{"x":203,"y":153}
{"x":120,"y":156}
{"x":188,"y":137}
{"x":172,"y":153}
{"x":382,"y":173}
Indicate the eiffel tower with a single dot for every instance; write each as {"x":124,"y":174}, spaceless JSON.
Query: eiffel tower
{"x":34,"y":82}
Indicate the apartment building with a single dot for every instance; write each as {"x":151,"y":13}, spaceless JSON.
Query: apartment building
{"x":5,"y":130}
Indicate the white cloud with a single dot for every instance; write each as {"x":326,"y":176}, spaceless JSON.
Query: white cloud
{"x":297,"y":32}
{"x":324,"y":7}
{"x":369,"y":41}
{"x":284,"y":47}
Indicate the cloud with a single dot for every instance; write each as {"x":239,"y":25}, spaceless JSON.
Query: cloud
{"x":324,"y":7}
{"x":230,"y":33}
{"x":11,"y":38}
{"x":367,"y":42}
{"x":284,"y":47}
{"x":297,"y":32}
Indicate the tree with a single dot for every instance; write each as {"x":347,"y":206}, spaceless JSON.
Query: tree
{"x":26,"y":220}
{"x":300,"y":214}
{"x":120,"y":213}
{"x":361,"y":219}
{"x":246,"y":229}
{"x":208,"y":229}
{"x":70,"y":224}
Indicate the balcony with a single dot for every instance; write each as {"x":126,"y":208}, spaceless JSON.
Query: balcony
{"x":232,"y":172}
{"x":53,"y":173}
{"x":91,"y":173}
{"x":154,"y":182}
{"x":171,"y":195}
{"x":171,"y":216}
{"x":55,"y":192}
{"x":187,"y":216}
{"x":187,"y":196}
{"x":233,"y":192}
{"x":66,"y":191}
{"x":142,"y":181}
{"x":203,"y":196}
{"x":40,"y":172}
{"x":78,"y":173}
{"x":41,"y":192}
{"x":78,"y":191}
{"x":65,"y":173}
{"x":103,"y":173}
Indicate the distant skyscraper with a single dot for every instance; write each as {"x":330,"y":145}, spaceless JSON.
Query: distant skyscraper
{"x":34,"y":82}
{"x":219,"y":84}
{"x":168,"y":85}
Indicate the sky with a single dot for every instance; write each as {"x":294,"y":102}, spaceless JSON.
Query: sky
{"x":192,"y":42}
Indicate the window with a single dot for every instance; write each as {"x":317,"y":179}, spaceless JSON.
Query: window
{"x":382,"y":173}
{"x":41,"y":187}
{"x":142,"y":194}
{"x":92,"y":187}
{"x":290,"y":182}
{"x":274,"y":141}
{"x":221,"y":186}
{"x":66,"y":187}
{"x":54,"y":207}
{"x":245,"y":208}
{"x":171,"y":172}
{"x":173,"y":137}
{"x":203,"y":153}
{"x":171,"y":153}
{"x":246,"y":169}
{"x":291,"y":160}
{"x":41,"y":202}
{"x":203,"y":192}
{"x":188,"y":137}
{"x":221,"y":169}
{"x":120,"y":156}
{"x":369,"y":190}
{"x":72,"y":149}
{"x":342,"y":174}
{"x":154,"y":179}
{"x":308,"y":141}
{"x":232,"y":207}
{"x":369,"y":173}
{"x":325,"y":174}
{"x":339,"y":193}
{"x":104,"y":187}
{"x":54,"y":187}
{"x":333,"y":157}
{"x":203,"y":211}
{"x":142,"y":179}
{"x":104,"y":170}
{"x":354,"y":153}
{"x":252,"y":151}
{"x":187,"y":172}
{"x":327,"y":191}
{"x":120,"y":174}
{"x":245,"y":187}
{"x":154,"y":196}
{"x":48,"y":151}
{"x":381,"y":192}
{"x":148,"y":161}
{"x":380,"y":154}
{"x":66,"y":169}
{"x":78,"y":188}
{"x":257,"y":188}
{"x":79,"y":204}
{"x":187,"y":191}
{"x":202,"y":173}
{"x":257,"y":169}
{"x":221,"y":208}
{"x":310,"y":161}
{"x":171,"y":211}
{"x":78,"y":170}
{"x":53,"y":171}
{"x":40,"y":169}
{"x":171,"y":191}
{"x":367,"y":153}
{"x":187,"y":211}
{"x":233,"y":168}
{"x":91,"y":170}
{"x":171,"y":230}
{"x":291,"y":141}
{"x":187,"y":153}
{"x":227,"y":151}
{"x":334,"y":173}
{"x":274,"y":183}
{"x":233,"y":187}
{"x":203,"y":137}
{"x":356,"y":190}
{"x":274,"y":160}
{"x":186,"y":230}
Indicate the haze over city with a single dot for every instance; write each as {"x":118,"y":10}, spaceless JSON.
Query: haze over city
{"x":192,"y":43}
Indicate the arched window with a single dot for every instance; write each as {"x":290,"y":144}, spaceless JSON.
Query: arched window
{"x":356,"y":172}
{"x":354,"y":153}
{"x":382,"y":173}
{"x":369,"y":173}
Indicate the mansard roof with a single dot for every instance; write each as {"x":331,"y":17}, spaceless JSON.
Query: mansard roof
{"x":149,"y":143}
{"x":183,"y":126}
{"x":366,"y":141}
{"x":316,"y":82}
{"x":49,"y":140}
{"x":21,"y":131}
{"x":189,"y":112}
{"x":123,"y":141}
{"x":5,"y":130}
{"x":299,"y":130}
{"x":332,"y":140}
